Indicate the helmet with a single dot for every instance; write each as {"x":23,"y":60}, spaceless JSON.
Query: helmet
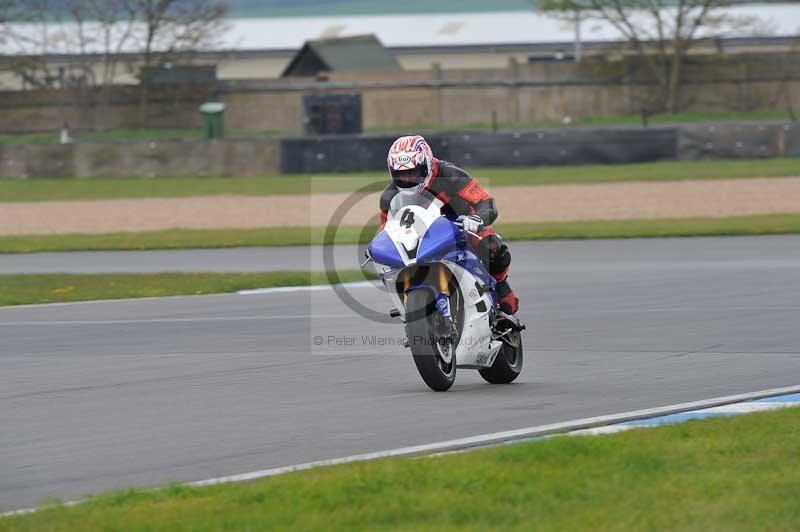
{"x":410,"y":162}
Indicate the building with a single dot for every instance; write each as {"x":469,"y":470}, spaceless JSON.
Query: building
{"x":360,"y":53}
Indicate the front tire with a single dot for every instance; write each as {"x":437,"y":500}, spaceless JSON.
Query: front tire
{"x":508,"y":364}
{"x":437,"y":373}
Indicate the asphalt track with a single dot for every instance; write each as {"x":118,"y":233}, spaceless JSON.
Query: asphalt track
{"x":114,"y":394}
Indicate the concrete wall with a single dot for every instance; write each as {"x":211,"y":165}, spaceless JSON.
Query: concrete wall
{"x":158,"y":158}
{"x":118,"y":108}
{"x":263,"y":156}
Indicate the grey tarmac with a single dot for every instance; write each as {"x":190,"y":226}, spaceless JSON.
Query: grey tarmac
{"x":105,"y":395}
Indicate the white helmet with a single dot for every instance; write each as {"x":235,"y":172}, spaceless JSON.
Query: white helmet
{"x":410,"y":162}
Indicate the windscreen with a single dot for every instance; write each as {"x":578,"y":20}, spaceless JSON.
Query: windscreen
{"x":405,"y":200}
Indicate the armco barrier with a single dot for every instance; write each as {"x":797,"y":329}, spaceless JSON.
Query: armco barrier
{"x":341,"y":153}
{"x":544,"y":147}
{"x":738,"y":141}
{"x":559,"y":146}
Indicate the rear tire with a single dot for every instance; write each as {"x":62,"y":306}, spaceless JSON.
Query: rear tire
{"x":508,"y":364}
{"x":437,"y":374}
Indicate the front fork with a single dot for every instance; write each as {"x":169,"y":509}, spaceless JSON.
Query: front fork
{"x":440,"y":273}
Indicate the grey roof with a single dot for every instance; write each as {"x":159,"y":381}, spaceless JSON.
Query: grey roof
{"x":341,"y":54}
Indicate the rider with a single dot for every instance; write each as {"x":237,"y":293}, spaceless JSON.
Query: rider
{"x":414,"y":170}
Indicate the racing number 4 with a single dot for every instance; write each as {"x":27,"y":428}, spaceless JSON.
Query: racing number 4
{"x":407,"y":219}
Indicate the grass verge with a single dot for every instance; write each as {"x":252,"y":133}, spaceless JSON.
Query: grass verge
{"x":771,"y":224}
{"x":614,"y":120}
{"x":123,"y":135}
{"x":60,"y":287}
{"x":739,"y":473}
{"x":176,"y":187}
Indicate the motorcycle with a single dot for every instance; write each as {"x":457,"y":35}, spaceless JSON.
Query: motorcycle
{"x":444,"y":295}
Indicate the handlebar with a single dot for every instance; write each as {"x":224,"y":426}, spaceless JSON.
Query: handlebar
{"x":461,"y":225}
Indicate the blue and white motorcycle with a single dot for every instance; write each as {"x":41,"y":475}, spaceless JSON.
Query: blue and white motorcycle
{"x":444,"y":295}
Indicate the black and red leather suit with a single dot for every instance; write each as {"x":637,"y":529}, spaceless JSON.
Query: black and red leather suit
{"x":464,"y":195}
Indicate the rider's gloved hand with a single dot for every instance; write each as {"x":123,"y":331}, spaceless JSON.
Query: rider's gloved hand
{"x":472,"y":223}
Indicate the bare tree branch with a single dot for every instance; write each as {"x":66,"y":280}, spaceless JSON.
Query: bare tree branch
{"x":662,"y":32}
{"x":173,"y":29}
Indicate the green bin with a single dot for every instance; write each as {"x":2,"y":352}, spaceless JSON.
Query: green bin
{"x":212,"y":113}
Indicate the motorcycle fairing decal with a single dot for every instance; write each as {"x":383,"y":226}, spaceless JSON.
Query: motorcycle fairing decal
{"x":470,"y":262}
{"x":443,"y":304}
{"x":383,"y":251}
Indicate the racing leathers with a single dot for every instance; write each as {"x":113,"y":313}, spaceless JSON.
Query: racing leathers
{"x":462,"y":195}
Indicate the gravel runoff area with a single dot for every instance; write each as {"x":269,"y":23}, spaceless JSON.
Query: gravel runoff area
{"x":519,"y":204}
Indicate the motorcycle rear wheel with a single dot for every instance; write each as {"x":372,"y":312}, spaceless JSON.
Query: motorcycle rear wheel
{"x":437,"y":373}
{"x":508,"y":364}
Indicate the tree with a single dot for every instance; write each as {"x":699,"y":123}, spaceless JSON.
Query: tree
{"x":27,"y":46}
{"x":171,"y":26}
{"x":101,"y":36}
{"x":94,"y":33}
{"x":5,"y":14}
{"x":105,"y":27}
{"x":172,"y":29}
{"x":660,"y":32}
{"x":9,"y":10}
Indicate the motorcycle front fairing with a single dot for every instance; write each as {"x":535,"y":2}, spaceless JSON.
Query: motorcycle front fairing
{"x":384,"y":251}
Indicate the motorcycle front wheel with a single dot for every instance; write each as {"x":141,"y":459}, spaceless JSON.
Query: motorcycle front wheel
{"x":430,"y":352}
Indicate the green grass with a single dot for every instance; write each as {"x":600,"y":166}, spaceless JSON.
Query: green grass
{"x":121,"y":135}
{"x":175,"y":187}
{"x":144,"y":134}
{"x":770,"y":224}
{"x":740,"y":473}
{"x":615,"y":120}
{"x":684,"y":118}
{"x":180,"y":239}
{"x":179,"y":187}
{"x":61,"y":287}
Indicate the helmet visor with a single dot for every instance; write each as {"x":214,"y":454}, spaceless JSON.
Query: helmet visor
{"x":409,"y":178}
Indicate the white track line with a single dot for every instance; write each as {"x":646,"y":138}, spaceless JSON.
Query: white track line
{"x":173,"y":320}
{"x":492,"y":438}
{"x":259,"y":291}
{"x":120,"y":300}
{"x":309,"y":288}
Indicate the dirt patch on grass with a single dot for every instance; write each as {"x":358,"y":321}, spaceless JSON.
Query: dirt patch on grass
{"x":547,"y":203}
